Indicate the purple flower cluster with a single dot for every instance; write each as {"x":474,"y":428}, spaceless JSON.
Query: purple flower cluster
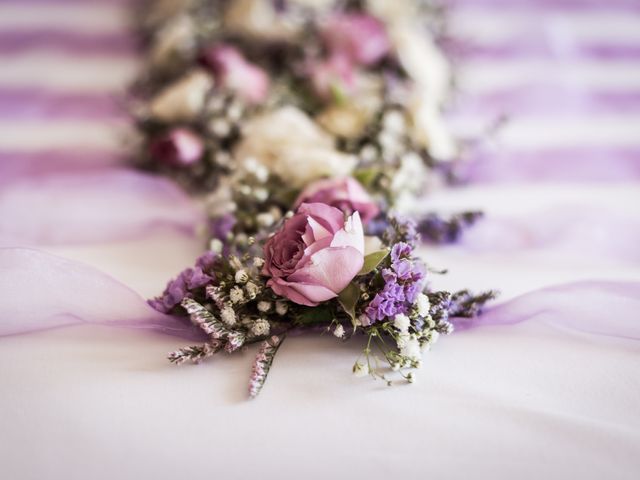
{"x":186,"y":283}
{"x":403,"y":282}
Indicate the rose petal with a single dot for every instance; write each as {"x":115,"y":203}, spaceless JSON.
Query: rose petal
{"x":352,"y":235}
{"x":333,"y":267}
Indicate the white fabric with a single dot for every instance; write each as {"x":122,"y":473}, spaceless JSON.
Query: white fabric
{"x":524,"y":402}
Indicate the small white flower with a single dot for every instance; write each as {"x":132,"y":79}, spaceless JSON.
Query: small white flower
{"x":360,"y":369}
{"x":215,"y":245}
{"x":432,"y":337}
{"x":258,"y":262}
{"x":236,"y":295}
{"x":401,"y":322}
{"x":282,"y":307}
{"x":264,"y":306}
{"x":261,"y":327}
{"x":339,"y":331}
{"x":363,"y":320}
{"x":411,"y":349}
{"x":411,"y":378}
{"x":423,"y":305}
{"x":261,"y":194}
{"x":252,"y":290}
{"x":402,"y":340}
{"x":220,"y":127}
{"x":393,"y":121}
{"x":235,"y":262}
{"x":242,"y":276}
{"x":228,"y":315}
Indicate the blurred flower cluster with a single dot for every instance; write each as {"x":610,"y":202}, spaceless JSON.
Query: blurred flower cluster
{"x":250,"y":101}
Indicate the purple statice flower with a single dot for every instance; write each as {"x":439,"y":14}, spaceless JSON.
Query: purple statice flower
{"x":185,"y":284}
{"x":222,"y":226}
{"x":404,"y":281}
{"x":401,"y":250}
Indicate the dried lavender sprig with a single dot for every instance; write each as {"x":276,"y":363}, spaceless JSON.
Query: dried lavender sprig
{"x":436,"y":229}
{"x":194,"y":353}
{"x":204,"y":319}
{"x":465,"y":304}
{"x":262,"y":364}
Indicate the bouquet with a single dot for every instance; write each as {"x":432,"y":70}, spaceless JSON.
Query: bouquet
{"x":318,"y":271}
{"x":308,"y":129}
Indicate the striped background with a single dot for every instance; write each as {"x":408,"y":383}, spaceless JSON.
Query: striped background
{"x":566,"y":73}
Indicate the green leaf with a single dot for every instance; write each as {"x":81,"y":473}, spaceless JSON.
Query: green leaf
{"x":372,"y":261}
{"x":313,"y":315}
{"x":367,"y":176}
{"x":348,"y":299}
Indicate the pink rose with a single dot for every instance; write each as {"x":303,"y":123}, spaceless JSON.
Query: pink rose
{"x":179,"y":147}
{"x":344,"y":193}
{"x":360,"y":38}
{"x":315,"y":255}
{"x":234,"y":72}
{"x":334,"y":74}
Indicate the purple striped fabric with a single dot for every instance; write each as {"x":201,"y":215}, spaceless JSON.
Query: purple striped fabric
{"x":27,"y":103}
{"x":519,"y":48}
{"x":571,"y":5}
{"x":81,"y":43}
{"x":604,"y":164}
{"x":22,"y":164}
{"x":542,"y":99}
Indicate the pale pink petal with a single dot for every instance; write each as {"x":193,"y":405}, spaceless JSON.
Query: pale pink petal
{"x":332,"y":267}
{"x":329,"y":217}
{"x":352,"y":235}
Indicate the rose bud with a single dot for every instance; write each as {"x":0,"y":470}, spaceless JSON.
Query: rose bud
{"x":179,"y":147}
{"x":360,"y":38}
{"x":344,"y":193}
{"x":333,"y":76}
{"x":315,"y":254}
{"x":234,"y":72}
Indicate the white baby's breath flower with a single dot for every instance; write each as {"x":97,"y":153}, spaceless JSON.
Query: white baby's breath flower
{"x":339,"y":331}
{"x":258,"y":262}
{"x":282,"y":307}
{"x":362,"y":320}
{"x":236,"y":295}
{"x":411,"y":349}
{"x":261,"y":194}
{"x":290,"y":145}
{"x":433,"y":336}
{"x":411,"y":377}
{"x":402,"y":340}
{"x":252,"y":290}
{"x":264,"y":306}
{"x":401,"y":322}
{"x":182,"y":100}
{"x":235,"y":262}
{"x":261,"y":327}
{"x":423,"y":305}
{"x":241,"y":276}
{"x":360,"y":369}
{"x":216,"y":245}
{"x":265,"y":219}
{"x":228,"y":315}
